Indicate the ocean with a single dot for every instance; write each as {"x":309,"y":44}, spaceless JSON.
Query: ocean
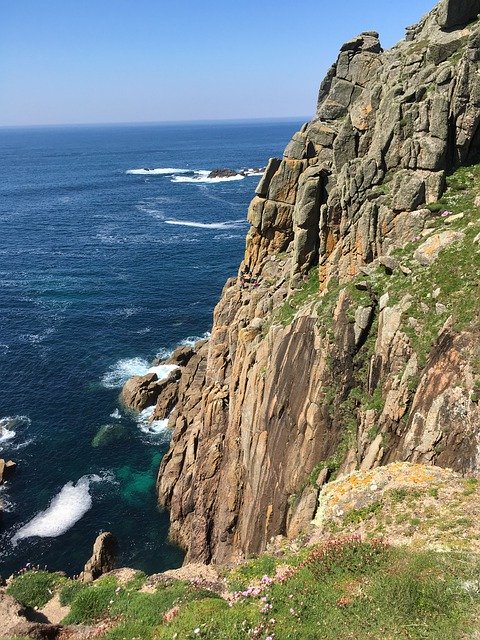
{"x":104,"y":266}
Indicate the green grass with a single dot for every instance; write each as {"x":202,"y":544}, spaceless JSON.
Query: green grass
{"x":358,"y":515}
{"x":342,"y":589}
{"x":92,"y":603}
{"x":350,"y":590}
{"x":309,"y":290}
{"x":35,"y":588}
{"x":250,"y":571}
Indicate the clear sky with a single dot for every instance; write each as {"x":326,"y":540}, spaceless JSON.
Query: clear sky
{"x":95,"y":61}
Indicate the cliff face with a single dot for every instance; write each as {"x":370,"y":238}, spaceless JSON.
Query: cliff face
{"x":358,"y":345}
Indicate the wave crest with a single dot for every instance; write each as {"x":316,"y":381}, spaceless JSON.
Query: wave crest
{"x":127,"y":368}
{"x":161,"y":171}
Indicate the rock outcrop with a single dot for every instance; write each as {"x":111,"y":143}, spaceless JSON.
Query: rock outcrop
{"x":348,"y":353}
{"x":7,"y":468}
{"x":104,"y":556}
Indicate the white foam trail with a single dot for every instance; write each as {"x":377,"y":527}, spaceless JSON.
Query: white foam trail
{"x":159,"y":172}
{"x":65,"y":509}
{"x":202,"y":177}
{"x":125,"y":369}
{"x":116,"y":414}
{"x":228,"y":224}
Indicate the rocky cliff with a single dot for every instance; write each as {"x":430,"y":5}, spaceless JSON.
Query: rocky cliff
{"x":353,"y":339}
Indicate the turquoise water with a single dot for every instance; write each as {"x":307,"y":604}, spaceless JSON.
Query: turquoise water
{"x":103,"y":266}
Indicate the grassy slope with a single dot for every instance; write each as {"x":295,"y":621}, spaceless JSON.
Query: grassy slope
{"x":339,"y":590}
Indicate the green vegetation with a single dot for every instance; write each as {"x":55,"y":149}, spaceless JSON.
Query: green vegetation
{"x":358,"y":515}
{"x":91,"y":603}
{"x":308,"y":291}
{"x":340,"y":589}
{"x":345,"y":589}
{"x":35,"y":588}
{"x":245,"y":574}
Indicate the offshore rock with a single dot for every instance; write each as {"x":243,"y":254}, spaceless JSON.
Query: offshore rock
{"x":222,"y":173}
{"x":7,"y":468}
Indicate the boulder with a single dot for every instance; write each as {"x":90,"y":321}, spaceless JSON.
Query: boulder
{"x":105,"y":550}
{"x":181,"y":356}
{"x":457,"y":13}
{"x":6,"y":469}
{"x":140,"y":391}
{"x":428,"y":252}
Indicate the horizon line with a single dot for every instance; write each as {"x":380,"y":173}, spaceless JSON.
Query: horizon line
{"x":155,"y":122}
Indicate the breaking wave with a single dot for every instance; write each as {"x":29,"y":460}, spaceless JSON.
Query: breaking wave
{"x":10,"y":425}
{"x":162,"y":171}
{"x":125,"y":369}
{"x":228,"y":224}
{"x":156,"y":428}
{"x":202,"y":177}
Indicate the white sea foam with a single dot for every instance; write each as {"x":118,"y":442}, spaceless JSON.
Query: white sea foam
{"x":116,"y":414}
{"x":125,"y":369}
{"x":159,"y":171}
{"x":157,"y":428}
{"x":163,"y":370}
{"x":65,"y":509}
{"x":3,"y":349}
{"x":202,"y":177}
{"x":191,"y":340}
{"x":9,"y":426}
{"x":227,"y":224}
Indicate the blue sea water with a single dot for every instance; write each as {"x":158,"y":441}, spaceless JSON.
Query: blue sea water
{"x":101,"y":269}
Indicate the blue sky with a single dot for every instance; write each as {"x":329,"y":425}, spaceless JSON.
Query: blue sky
{"x":95,"y":61}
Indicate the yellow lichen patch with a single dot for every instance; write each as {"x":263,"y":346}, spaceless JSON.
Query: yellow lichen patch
{"x":407,"y":503}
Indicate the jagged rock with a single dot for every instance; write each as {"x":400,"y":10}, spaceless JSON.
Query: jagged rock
{"x":140,"y":391}
{"x":222,"y":173}
{"x":263,"y":185}
{"x":7,"y":468}
{"x":105,"y":550}
{"x":456,"y":13}
{"x":429,"y":250}
{"x":409,"y":190}
{"x":363,"y":317}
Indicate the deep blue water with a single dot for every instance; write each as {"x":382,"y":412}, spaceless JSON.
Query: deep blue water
{"x":98,"y":274}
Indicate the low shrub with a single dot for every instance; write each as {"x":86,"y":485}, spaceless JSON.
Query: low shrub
{"x":34,"y":588}
{"x":347,"y":555}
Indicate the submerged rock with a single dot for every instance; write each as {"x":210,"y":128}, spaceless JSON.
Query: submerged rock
{"x":109,"y":434}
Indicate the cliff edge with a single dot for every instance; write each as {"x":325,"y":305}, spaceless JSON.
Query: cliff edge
{"x":351,"y":338}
